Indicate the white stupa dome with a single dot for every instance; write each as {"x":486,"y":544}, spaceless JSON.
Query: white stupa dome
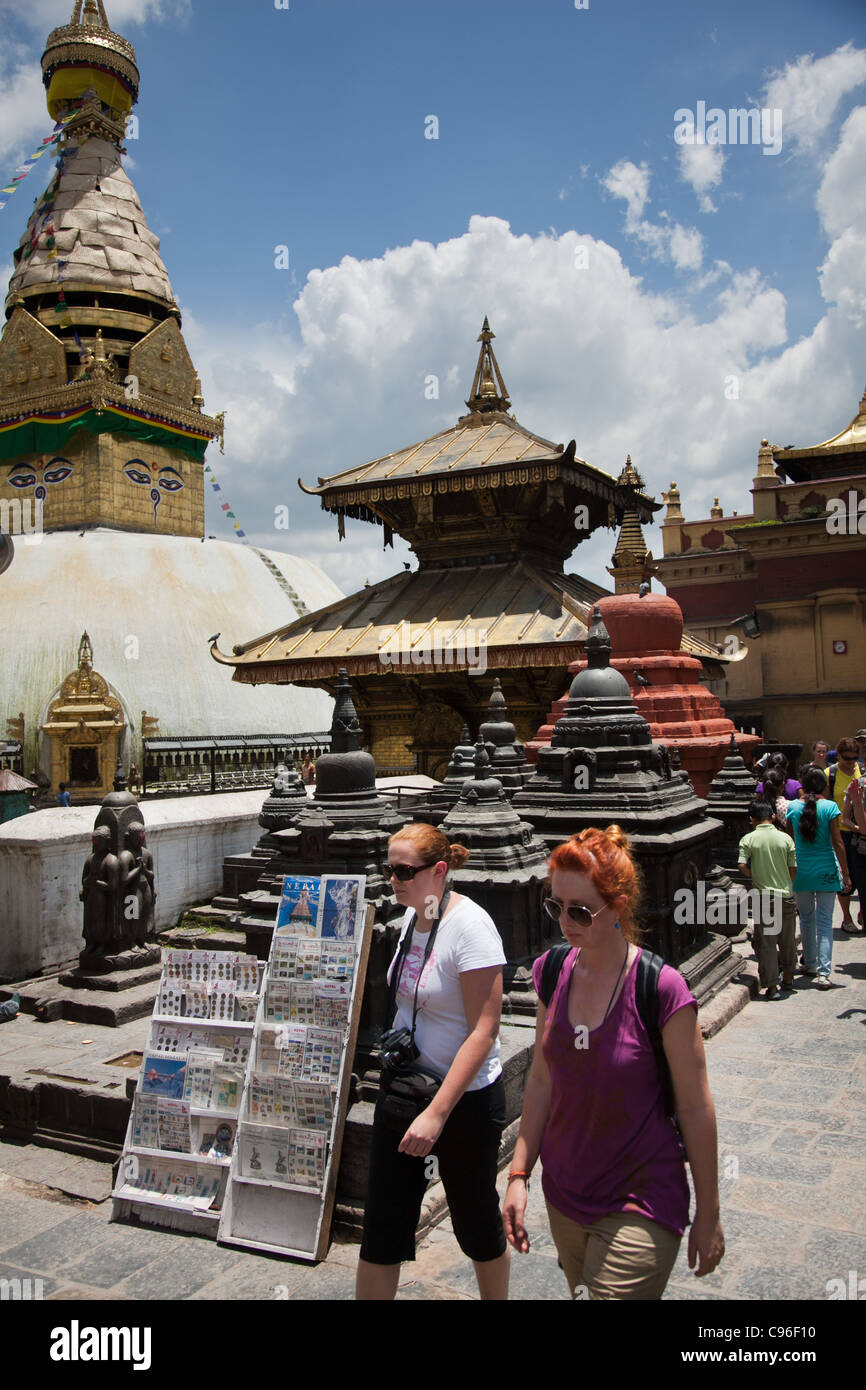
{"x":149,"y":604}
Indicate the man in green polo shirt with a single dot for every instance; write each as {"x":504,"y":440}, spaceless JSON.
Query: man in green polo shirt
{"x":768,"y":858}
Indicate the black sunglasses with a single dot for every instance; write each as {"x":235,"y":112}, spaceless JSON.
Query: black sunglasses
{"x":403,"y":872}
{"x":580,"y":915}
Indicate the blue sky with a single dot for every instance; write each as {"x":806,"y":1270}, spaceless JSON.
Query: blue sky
{"x":630,"y":280}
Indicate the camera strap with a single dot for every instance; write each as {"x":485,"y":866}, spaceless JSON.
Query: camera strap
{"x":397,"y":972}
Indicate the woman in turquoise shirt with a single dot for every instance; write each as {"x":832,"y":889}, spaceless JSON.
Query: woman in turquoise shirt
{"x":822,"y":872}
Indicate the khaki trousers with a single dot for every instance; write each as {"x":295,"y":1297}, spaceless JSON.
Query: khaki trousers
{"x":624,"y":1256}
{"x":777,"y":948}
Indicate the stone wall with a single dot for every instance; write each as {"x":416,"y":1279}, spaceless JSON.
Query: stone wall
{"x":42,"y":856}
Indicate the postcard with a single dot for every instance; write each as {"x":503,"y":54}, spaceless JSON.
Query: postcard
{"x":163,"y":1076}
{"x":299,"y":907}
{"x":342,"y":907}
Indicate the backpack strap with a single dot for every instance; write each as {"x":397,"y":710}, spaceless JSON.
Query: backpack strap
{"x":649,"y":968}
{"x":551,"y":970}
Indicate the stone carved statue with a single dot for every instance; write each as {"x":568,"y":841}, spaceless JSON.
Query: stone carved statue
{"x":118,"y":892}
{"x":138,"y":892}
{"x":99,"y":884}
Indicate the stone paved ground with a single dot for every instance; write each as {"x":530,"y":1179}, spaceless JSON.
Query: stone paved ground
{"x":789,"y":1081}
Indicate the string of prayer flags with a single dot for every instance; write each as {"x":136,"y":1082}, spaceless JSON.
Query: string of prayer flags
{"x":24,"y":169}
{"x":225,"y":506}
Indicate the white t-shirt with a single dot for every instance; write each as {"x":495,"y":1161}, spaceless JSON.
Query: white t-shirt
{"x":466,"y":939}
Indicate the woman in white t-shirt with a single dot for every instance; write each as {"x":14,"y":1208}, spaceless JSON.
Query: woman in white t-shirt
{"x":457,"y":983}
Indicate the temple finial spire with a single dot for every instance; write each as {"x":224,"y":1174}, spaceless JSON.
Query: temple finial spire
{"x":632,"y":562}
{"x":488,"y":389}
{"x":94,"y":15}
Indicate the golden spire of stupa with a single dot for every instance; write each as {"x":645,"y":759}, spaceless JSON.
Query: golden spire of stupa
{"x":90,"y":70}
{"x":488,"y":389}
{"x":632,"y":562}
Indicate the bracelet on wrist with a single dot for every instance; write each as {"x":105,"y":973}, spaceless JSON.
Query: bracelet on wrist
{"x":519,"y":1174}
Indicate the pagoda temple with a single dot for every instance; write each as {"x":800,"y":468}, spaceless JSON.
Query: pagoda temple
{"x":493,"y":512}
{"x":103,"y":435}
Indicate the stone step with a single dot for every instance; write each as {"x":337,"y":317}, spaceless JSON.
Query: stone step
{"x":48,"y":1000}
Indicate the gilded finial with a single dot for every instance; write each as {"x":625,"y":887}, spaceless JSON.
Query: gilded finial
{"x":672,"y":498}
{"x":488,"y":388}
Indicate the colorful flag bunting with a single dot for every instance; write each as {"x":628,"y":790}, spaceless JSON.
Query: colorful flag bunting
{"x":24,"y":169}
{"x":225,"y":506}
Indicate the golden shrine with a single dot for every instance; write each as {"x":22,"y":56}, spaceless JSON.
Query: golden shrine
{"x":85,"y":727}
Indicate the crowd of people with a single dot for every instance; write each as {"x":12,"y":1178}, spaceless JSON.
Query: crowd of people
{"x":617,"y":1098}
{"x":807,"y":847}
{"x":618,"y":1054}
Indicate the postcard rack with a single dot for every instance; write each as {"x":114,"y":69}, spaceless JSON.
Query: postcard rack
{"x":183,"y":1121}
{"x":283,"y":1177}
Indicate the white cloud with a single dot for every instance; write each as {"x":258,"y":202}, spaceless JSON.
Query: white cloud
{"x":631,"y":183}
{"x":842,"y":205}
{"x":665,"y":240}
{"x":24,"y":119}
{"x":701,"y":165}
{"x":586,"y":353}
{"x":809,"y":91}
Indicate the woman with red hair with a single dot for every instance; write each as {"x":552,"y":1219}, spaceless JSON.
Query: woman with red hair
{"x":594,"y":1110}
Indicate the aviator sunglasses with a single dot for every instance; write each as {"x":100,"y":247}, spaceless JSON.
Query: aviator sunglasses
{"x":580,"y":915}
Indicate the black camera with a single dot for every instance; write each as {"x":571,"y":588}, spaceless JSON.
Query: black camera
{"x":397,"y":1048}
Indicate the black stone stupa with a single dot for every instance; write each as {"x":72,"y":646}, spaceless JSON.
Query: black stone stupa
{"x":342,"y":829}
{"x":602,"y":768}
{"x":446,"y":793}
{"x":507,"y":865}
{"x":506,"y":754}
{"x":731,"y":792}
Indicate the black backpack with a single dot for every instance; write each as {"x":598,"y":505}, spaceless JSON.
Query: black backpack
{"x":647,"y":999}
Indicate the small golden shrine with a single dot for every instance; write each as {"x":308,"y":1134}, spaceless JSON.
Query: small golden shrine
{"x":85,"y":727}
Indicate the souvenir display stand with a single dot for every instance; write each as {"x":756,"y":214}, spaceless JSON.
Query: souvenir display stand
{"x":184,"y":1116}
{"x":283,"y":1177}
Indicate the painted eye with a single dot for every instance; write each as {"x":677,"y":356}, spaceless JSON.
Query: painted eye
{"x":136,"y":477}
{"x":57,"y":475}
{"x":170,"y":484}
{"x":23,"y":480}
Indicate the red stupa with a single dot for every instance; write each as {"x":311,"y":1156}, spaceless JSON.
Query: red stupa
{"x":646,"y":638}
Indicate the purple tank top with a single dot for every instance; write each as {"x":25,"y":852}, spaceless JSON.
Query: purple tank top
{"x":608,"y":1144}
